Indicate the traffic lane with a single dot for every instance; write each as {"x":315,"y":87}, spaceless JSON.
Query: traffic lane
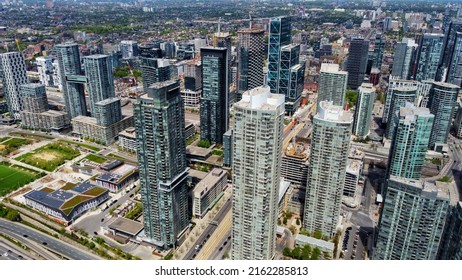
{"x":225,"y":246}
{"x":44,"y":253}
{"x":46,"y":241}
{"x":12,"y":253}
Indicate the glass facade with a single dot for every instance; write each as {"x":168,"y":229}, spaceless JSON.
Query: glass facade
{"x":100,"y":82}
{"x":363,"y":110}
{"x":430,"y":51}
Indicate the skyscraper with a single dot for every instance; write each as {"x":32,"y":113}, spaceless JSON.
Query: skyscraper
{"x":451,"y":51}
{"x":326,"y":172}
{"x":279,"y":36}
{"x":100,"y":82}
{"x":291,"y":77}
{"x":404,"y":59}
{"x":332,"y":84}
{"x":215,"y":90}
{"x":357,"y":62}
{"x":363,"y":110}
{"x":161,"y":151}
{"x":154,"y":70}
{"x":413,"y":126}
{"x":72,"y":79}
{"x":442,"y":101}
{"x":129,"y":49}
{"x":13,"y":73}
{"x":257,"y":144}
{"x":413,"y":219}
{"x":395,"y":83}
{"x":108,"y":111}
{"x":378,"y":50}
{"x":454,"y":73}
{"x":399,"y":97}
{"x":429,"y":55}
{"x":451,"y":247}
{"x":251,"y":59}
{"x":34,"y":98}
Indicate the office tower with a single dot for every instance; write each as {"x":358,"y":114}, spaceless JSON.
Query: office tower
{"x":451,"y":52}
{"x":378,"y":50}
{"x":363,"y":110}
{"x":100,"y":82}
{"x":13,"y":73}
{"x":34,"y":98}
{"x":454,"y":74}
{"x":154,"y":70}
{"x":332,"y":84}
{"x":395,"y":83}
{"x":129,"y":49}
{"x":250,"y":57}
{"x":451,"y":247}
{"x":161,"y":151}
{"x":228,"y":148}
{"x":73,"y":81}
{"x":399,"y":97}
{"x":257,"y":144}
{"x":215,"y":90}
{"x":108,"y":111}
{"x":291,"y":77}
{"x":279,"y":36}
{"x":413,"y":126}
{"x":387,"y":23}
{"x":442,"y":101}
{"x":326,"y":172}
{"x":429,"y":55}
{"x":150,"y":50}
{"x":413,"y":219}
{"x":357,"y":62}
{"x":404,"y":59}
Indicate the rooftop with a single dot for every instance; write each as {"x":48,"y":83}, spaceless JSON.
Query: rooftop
{"x":331,"y":68}
{"x":329,"y":112}
{"x":209,"y":181}
{"x":261,"y":98}
{"x":430,"y":190}
{"x":126,"y":226}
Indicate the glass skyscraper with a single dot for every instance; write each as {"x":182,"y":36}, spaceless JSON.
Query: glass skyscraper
{"x":161,"y":151}
{"x":332,"y":84}
{"x":399,"y":97}
{"x":404,"y":59}
{"x":356,"y":65}
{"x":413,"y":126}
{"x":363,"y":110}
{"x":257,"y":148}
{"x":215,"y":90}
{"x":279,"y":36}
{"x":100,"y":81}
{"x":430,"y":51}
{"x":154,"y":70}
{"x":327,"y":168}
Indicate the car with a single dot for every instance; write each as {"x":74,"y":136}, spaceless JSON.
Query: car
{"x":226,"y":242}
{"x":9,"y":251}
{"x":95,"y":233}
{"x":5,"y":254}
{"x":25,"y":235}
{"x":44,"y":243}
{"x":221,"y":248}
{"x":102,"y":219}
{"x":20,"y":257}
{"x":197,"y":247}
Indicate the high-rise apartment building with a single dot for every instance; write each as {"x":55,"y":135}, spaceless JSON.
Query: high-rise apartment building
{"x":451,"y":54}
{"x":404,"y":59}
{"x":72,"y":79}
{"x":413,"y":126}
{"x":108,"y":111}
{"x":332,"y":84}
{"x":13,"y":73}
{"x":129,"y":49}
{"x":413,"y":219}
{"x":399,"y":97}
{"x":34,"y":98}
{"x":395,"y":83}
{"x":429,"y":55}
{"x":363,"y":110}
{"x":215,"y":90}
{"x":154,"y":70}
{"x":100,"y":81}
{"x":326,"y":172}
{"x":161,"y":151}
{"x":251,"y":60}
{"x":451,"y":247}
{"x":378,"y":50}
{"x":356,"y":65}
{"x":454,"y":73}
{"x":279,"y":36}
{"x":257,"y":144}
{"x":442,"y":102}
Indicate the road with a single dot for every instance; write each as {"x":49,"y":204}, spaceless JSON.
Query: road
{"x":209,"y":230}
{"x":8,"y":252}
{"x":93,"y":222}
{"x":215,"y":241}
{"x":47,"y":242}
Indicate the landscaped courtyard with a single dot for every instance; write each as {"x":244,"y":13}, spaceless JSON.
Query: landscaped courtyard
{"x":51,"y":156}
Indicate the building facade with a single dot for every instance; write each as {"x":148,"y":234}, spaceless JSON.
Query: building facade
{"x":332,"y":84}
{"x":404,"y":59}
{"x":429,"y":55}
{"x":327,"y":167}
{"x":279,"y":36}
{"x":363,"y":110}
{"x":161,"y":151}
{"x":357,"y":62}
{"x":13,"y":73}
{"x":399,"y":97}
{"x":257,"y":144}
{"x":100,"y":81}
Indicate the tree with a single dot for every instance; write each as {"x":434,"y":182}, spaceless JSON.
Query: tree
{"x":287,"y":252}
{"x":317,"y":234}
{"x":13,"y":215}
{"x":204,"y":143}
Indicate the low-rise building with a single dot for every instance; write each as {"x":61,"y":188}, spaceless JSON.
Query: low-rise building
{"x":325,"y":246}
{"x":294,"y":164}
{"x":191,"y":98}
{"x":208,"y":191}
{"x":127,"y":139}
{"x":87,"y":127}
{"x":49,"y":120}
{"x":118,"y":177}
{"x":66,"y":204}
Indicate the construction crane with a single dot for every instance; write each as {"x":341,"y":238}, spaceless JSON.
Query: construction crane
{"x":17,"y":44}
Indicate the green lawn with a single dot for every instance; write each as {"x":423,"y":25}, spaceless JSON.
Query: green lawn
{"x":14,"y":177}
{"x":96,"y":158}
{"x":93,"y":148}
{"x":51,"y":156}
{"x":9,"y":145}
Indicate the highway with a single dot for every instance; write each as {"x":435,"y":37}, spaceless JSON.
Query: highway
{"x":214,"y":243}
{"x":51,"y":243}
{"x":208,"y":232}
{"x":8,"y":252}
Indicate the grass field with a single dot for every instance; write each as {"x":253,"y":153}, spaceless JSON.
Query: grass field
{"x":51,"y":156}
{"x":14,"y":177}
{"x":90,"y":147}
{"x":9,"y":144}
{"x":96,"y":158}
